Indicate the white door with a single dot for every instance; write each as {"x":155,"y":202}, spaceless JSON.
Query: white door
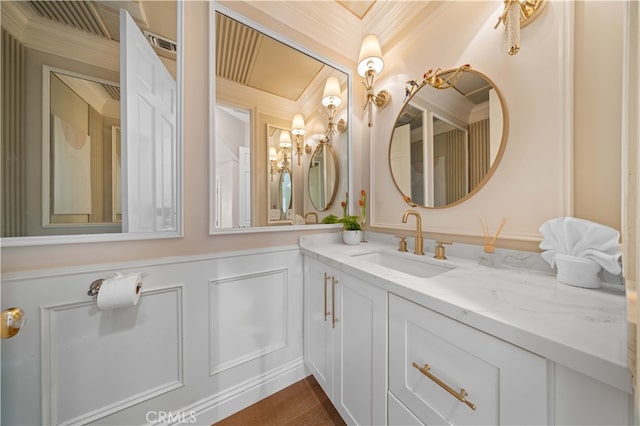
{"x":149,"y":152}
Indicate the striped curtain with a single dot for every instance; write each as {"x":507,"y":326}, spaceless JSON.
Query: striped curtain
{"x":478,"y":152}
{"x":13,"y":139}
{"x":452,"y":146}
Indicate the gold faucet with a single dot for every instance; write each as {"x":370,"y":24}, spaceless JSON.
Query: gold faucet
{"x":310,"y":213}
{"x":419,"y":249}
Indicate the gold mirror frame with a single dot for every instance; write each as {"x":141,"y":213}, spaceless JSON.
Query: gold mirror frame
{"x":436,"y":81}
{"x":334,"y":190}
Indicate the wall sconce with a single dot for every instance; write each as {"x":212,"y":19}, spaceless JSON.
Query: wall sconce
{"x":285,"y":146}
{"x":273,"y":162}
{"x":331,"y":100}
{"x":298,"y":130}
{"x":370,"y":64}
{"x":517,"y":14}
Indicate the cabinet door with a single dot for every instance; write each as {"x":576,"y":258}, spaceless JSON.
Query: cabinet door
{"x":361,"y":351}
{"x":506,"y":384}
{"x":318,"y":334}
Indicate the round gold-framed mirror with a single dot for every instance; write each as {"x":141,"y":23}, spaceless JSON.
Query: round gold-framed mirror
{"x":448,"y":138}
{"x":324,"y":176}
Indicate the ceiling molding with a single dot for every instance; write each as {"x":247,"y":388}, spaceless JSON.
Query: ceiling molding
{"x":42,"y":34}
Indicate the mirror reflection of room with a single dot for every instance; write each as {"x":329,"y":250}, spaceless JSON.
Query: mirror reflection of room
{"x":280,"y":91}
{"x":446,"y":141}
{"x":65,"y":173}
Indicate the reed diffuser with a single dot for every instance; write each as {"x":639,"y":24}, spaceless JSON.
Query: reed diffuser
{"x":489,"y":242}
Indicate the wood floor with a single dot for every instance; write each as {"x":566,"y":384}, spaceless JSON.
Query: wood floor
{"x":302,"y":403}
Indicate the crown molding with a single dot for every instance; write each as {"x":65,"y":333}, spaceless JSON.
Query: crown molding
{"x":44,"y":35}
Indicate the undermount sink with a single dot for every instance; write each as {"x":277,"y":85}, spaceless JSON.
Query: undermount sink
{"x":418,"y":267}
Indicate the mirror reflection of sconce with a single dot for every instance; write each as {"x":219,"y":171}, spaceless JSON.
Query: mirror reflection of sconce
{"x":370,"y":64}
{"x":298,"y":130}
{"x":331,"y":100}
{"x":517,"y":14}
{"x":285,"y":147}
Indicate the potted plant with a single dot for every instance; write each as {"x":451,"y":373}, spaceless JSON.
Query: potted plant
{"x":351,"y":229}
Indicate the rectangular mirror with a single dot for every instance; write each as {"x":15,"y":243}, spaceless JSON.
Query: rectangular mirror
{"x":279,"y":176}
{"x":260,"y":81}
{"x":93,"y":150}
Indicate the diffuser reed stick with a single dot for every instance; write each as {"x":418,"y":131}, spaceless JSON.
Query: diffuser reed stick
{"x":489,"y":242}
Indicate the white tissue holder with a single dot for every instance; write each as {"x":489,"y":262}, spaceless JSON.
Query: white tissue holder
{"x":578,"y":271}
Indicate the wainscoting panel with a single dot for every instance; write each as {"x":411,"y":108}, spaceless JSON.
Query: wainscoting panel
{"x":97,"y":362}
{"x":248,"y":318}
{"x":211,"y":335}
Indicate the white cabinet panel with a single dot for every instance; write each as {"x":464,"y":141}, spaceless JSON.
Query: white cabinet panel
{"x":581,"y":400}
{"x":140,"y":347}
{"x":318,"y":333}
{"x":248,"y":317}
{"x":399,"y":414}
{"x":362,"y":352}
{"x":506,"y":384}
{"x":345,"y":341}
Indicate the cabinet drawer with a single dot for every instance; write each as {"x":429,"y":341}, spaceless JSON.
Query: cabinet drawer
{"x":506,"y":384}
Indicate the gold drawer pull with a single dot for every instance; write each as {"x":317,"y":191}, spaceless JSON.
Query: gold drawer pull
{"x":458,"y":395}
{"x":326,"y":277}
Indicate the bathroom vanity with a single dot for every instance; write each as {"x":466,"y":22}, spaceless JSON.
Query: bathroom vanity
{"x":397,"y":338}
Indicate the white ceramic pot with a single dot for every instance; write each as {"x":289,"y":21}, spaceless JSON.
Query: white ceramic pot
{"x":578,"y":271}
{"x":351,"y":237}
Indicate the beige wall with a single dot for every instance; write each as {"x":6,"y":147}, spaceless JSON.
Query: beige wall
{"x":541,"y":176}
{"x":598,"y":102}
{"x":196,"y":150}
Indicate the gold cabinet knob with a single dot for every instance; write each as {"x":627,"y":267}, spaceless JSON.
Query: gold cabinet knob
{"x":12,"y":322}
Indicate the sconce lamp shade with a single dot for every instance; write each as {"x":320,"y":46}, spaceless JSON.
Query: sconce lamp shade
{"x":319,"y":132}
{"x":370,"y":56}
{"x":331,"y":94}
{"x":297,"y":126}
{"x":285,"y":139}
{"x":273,"y":155}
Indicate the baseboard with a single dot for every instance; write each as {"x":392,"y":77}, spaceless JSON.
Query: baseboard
{"x":223,"y":404}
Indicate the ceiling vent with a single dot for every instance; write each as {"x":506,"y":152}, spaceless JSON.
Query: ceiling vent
{"x":162,"y":45}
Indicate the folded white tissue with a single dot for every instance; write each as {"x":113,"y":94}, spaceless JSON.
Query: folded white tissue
{"x":580,"y":249}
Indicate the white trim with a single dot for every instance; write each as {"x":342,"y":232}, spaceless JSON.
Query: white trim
{"x":219,"y":368}
{"x":136,"y":264}
{"x":49,"y":375}
{"x":566,"y":64}
{"x":222,"y":404}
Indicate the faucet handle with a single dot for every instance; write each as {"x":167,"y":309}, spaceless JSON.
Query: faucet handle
{"x":440,"y":254}
{"x":403,"y":242}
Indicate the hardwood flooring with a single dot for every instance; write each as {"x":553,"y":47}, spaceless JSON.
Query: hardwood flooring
{"x":302,"y":403}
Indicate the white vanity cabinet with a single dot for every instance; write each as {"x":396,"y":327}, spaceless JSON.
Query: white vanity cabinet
{"x":345,"y":341}
{"x":504,"y":384}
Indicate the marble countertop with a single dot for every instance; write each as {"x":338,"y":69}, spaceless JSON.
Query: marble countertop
{"x":511,"y":295}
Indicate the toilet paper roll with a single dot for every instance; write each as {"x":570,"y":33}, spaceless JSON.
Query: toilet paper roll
{"x":120,"y":291}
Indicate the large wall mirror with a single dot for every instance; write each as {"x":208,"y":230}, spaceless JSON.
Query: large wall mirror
{"x":262,"y":159}
{"x":448,"y":138}
{"x":91,"y":123}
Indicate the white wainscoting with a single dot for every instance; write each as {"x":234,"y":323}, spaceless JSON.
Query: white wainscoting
{"x":211,"y":335}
